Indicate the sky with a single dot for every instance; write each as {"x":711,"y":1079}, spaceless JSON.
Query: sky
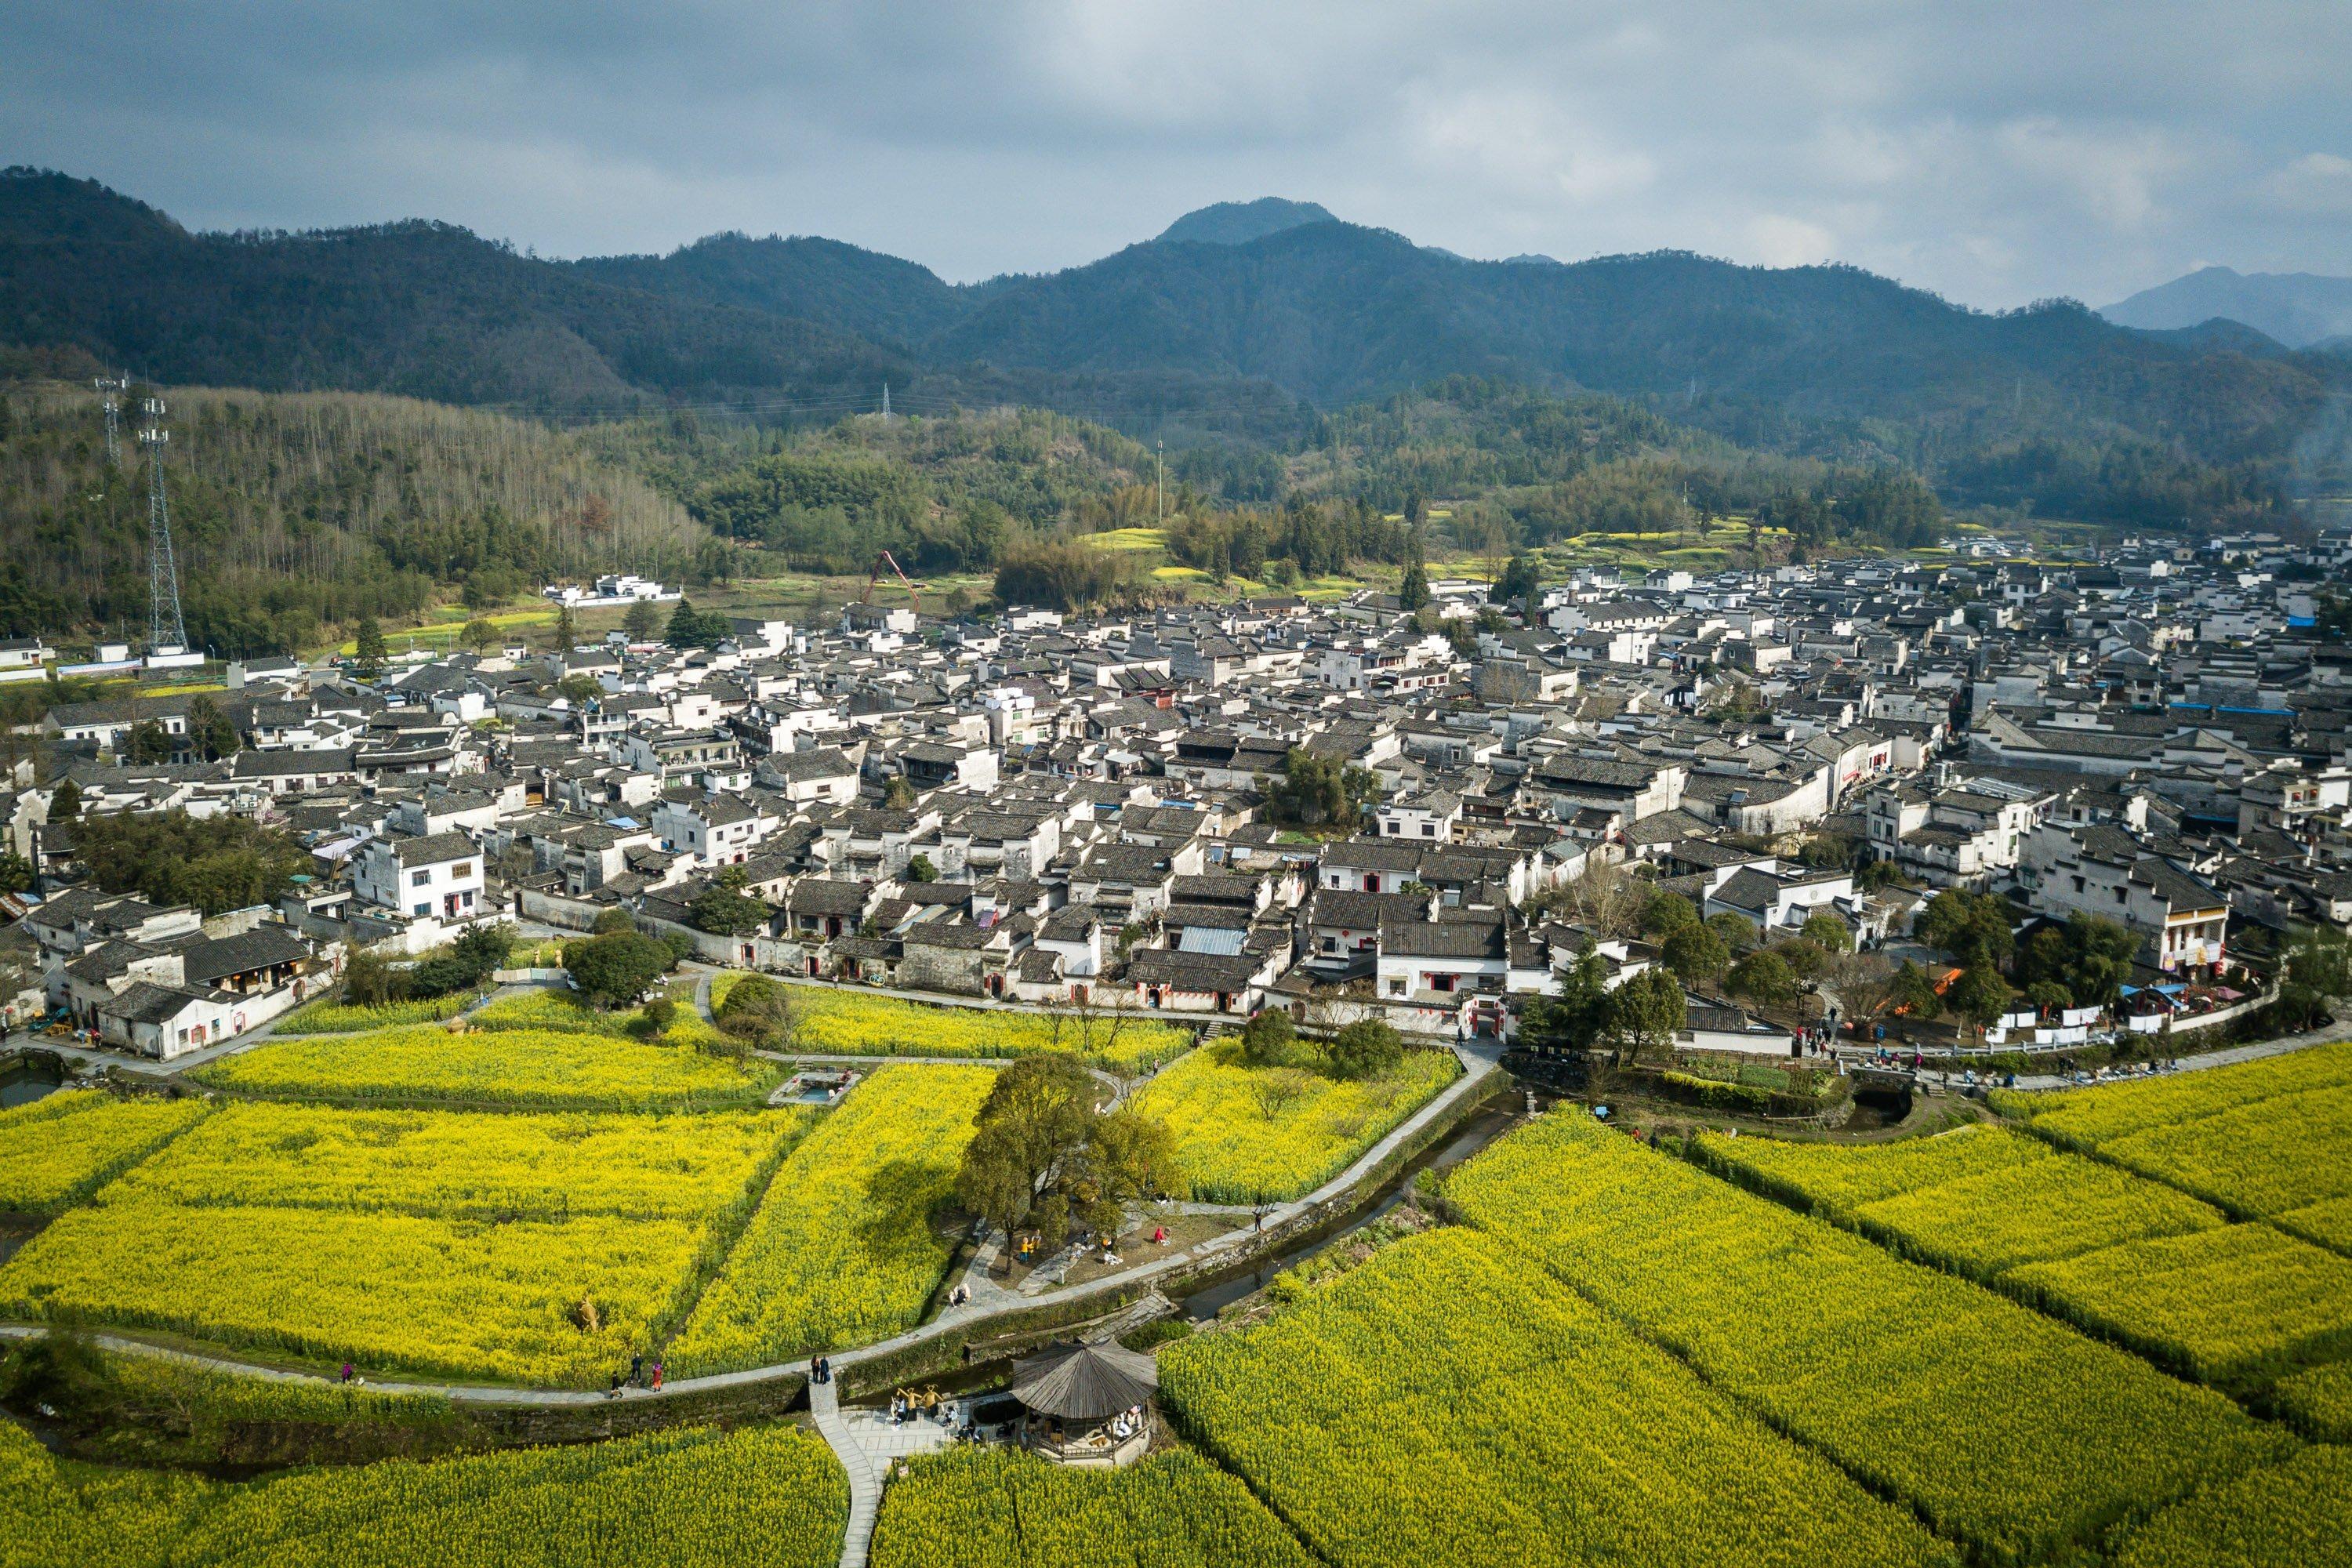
{"x":1994,"y":152}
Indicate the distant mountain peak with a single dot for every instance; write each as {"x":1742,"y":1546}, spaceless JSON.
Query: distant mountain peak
{"x":1238,"y":223}
{"x":2297,"y":309}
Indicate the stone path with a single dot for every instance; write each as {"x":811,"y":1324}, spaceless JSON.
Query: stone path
{"x":864,"y":1487}
{"x":2228,"y":1057}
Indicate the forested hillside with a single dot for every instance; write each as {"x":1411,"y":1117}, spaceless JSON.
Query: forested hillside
{"x":1231,"y":347}
{"x":292,"y":513}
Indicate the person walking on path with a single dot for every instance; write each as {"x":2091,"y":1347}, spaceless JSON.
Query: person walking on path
{"x":615,"y":1392}
{"x":636,"y":1369}
{"x":347,"y":1374}
{"x":657,"y":1376}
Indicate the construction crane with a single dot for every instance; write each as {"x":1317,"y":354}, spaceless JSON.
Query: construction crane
{"x":885,"y":558}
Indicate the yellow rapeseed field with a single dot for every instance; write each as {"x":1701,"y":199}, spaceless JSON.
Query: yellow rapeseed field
{"x":2318,"y":1401}
{"x":524,"y":1068}
{"x":990,"y":1508}
{"x":2003,"y":1430}
{"x":62,"y":1147}
{"x":1445,"y":1404}
{"x":686,"y":1499}
{"x":1252,"y":1135}
{"x":846,"y":1247}
{"x":834,"y":1022}
{"x":467,"y":1165}
{"x":536,"y":1248}
{"x":2293,"y":1515}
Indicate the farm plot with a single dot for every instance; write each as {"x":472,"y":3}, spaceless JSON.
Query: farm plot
{"x":543,"y":1069}
{"x":2092,"y":1117}
{"x":2285,"y":1516}
{"x":986,"y":1508}
{"x":1443,"y":1404}
{"x":57,"y":1151}
{"x":1259,"y":1135}
{"x":834,"y":1022}
{"x":2006,"y":1431}
{"x":687,"y":1499}
{"x":544,"y":1250}
{"x":846,"y":1247}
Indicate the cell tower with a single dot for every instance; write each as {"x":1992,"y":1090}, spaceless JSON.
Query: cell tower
{"x":110,"y":398}
{"x":166,"y":633}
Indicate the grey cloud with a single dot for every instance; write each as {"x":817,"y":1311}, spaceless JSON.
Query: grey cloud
{"x":1994,"y":151}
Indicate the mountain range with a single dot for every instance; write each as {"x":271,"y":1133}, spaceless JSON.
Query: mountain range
{"x":1241,"y":321}
{"x":2295,"y":309}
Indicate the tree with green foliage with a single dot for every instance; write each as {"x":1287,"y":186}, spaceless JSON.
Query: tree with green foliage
{"x":1738,"y":932}
{"x":607,"y":921}
{"x":1044,"y":1154}
{"x":1365,"y":1048}
{"x":1698,"y":954}
{"x":2317,"y":970}
{"x":64,"y":802}
{"x":1520,"y":582}
{"x":617,"y":966}
{"x":1979,"y":995}
{"x":898,"y":794}
{"x":1763,"y":978}
{"x":1828,"y":932}
{"x":723,"y":909}
{"x":16,"y":874}
{"x":919,"y":869}
{"x":1316,"y":790}
{"x":1269,"y":1040}
{"x":1575,"y":1020}
{"x":1646,"y":1014}
{"x":1972,"y":927}
{"x":373,"y":653}
{"x":2048,"y":996}
{"x":1413,"y":592}
{"x":1912,"y":993}
{"x":580,"y":689}
{"x":2090,"y":955}
{"x":215,"y":863}
{"x":478,"y":635}
{"x":149,"y":742}
{"x":641,"y":623}
{"x":1665,"y":913}
{"x":689,"y":627}
{"x":565,"y":634}
{"x":210,"y":735}
{"x":762,"y":1012}
{"x":470,"y":962}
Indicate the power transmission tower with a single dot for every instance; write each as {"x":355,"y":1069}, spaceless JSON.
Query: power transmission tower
{"x":109,"y":394}
{"x":166,"y":629}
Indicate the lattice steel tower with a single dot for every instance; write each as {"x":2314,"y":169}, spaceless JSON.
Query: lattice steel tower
{"x":110,"y":398}
{"x":166,"y":629}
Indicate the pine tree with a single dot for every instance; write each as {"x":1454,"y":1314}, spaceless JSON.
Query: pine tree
{"x":374,"y":652}
{"x":566,"y":636}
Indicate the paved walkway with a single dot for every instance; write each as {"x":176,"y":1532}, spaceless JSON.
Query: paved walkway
{"x":864,"y":1486}
{"x":2229,"y":1056}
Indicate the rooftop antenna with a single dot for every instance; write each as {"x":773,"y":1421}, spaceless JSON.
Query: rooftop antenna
{"x":110,"y":398}
{"x":166,"y":632}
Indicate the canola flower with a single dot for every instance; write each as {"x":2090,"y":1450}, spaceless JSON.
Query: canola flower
{"x":524,"y":1068}
{"x":537,"y":1249}
{"x":59,"y":1149}
{"x":2292,"y":1515}
{"x":834,"y":1022}
{"x":2319,"y":1401}
{"x":846,"y":1248}
{"x":1444,"y":1404}
{"x":1245,"y":1139}
{"x":466,"y":1165}
{"x":991,"y":1508}
{"x":2101,"y":1112}
{"x":327,"y":1016}
{"x":686,"y":1499}
{"x":2005,"y":1430}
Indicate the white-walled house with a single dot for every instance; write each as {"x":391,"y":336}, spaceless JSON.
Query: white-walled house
{"x":438,"y":875}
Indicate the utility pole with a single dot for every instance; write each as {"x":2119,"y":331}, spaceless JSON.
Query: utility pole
{"x":166,"y":629}
{"x":886,"y":403}
{"x":1159,"y":452}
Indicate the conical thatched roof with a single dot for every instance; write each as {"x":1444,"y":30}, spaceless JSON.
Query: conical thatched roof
{"x":1085,"y":1382}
